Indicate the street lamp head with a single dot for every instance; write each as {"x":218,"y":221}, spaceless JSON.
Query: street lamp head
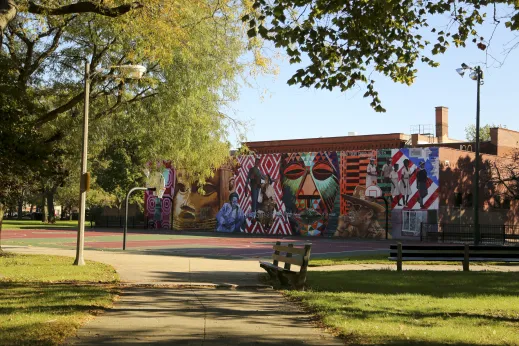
{"x":460,"y":71}
{"x":473,"y":75}
{"x":132,"y":71}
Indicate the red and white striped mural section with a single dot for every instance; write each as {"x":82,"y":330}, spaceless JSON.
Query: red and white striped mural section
{"x":269,"y":165}
{"x":414,"y":156}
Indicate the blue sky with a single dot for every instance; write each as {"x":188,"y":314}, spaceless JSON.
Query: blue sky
{"x":289,"y":112}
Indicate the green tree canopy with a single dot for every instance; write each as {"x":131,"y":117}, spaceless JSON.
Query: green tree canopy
{"x":484,"y":132}
{"x":347,"y":43}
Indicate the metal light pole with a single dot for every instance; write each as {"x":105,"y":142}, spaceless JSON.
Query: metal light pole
{"x":477,"y":75}
{"x":129,"y":71}
{"x":477,"y":234}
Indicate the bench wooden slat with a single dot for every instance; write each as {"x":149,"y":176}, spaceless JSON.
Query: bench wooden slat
{"x":459,"y":253}
{"x":298,"y":260}
{"x":294,"y":250}
{"x":456,"y":259}
{"x":471,"y":252}
{"x":513,"y":249}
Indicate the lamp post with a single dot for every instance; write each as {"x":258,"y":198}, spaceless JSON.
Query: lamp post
{"x":477,"y":75}
{"x":127,"y":71}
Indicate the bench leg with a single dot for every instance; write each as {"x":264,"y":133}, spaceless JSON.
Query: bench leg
{"x":282,"y":278}
{"x":272,"y":273}
{"x":299,"y":282}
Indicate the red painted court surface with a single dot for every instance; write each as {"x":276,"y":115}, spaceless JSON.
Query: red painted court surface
{"x":192,"y":244}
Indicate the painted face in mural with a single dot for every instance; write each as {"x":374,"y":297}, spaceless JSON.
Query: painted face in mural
{"x":359,"y":215}
{"x":311,"y":179}
{"x":190,"y":205}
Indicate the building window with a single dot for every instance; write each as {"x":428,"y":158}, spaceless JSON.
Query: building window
{"x":411,"y":222}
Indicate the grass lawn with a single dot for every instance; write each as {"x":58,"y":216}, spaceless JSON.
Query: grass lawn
{"x":416,"y":307}
{"x":36,"y":224}
{"x":382,"y":259}
{"x":357,"y":259}
{"x":44,"y":299}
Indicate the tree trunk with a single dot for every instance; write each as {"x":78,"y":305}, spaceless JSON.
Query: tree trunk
{"x":43,"y":210}
{"x":50,"y":206}
{"x":20,"y":208}
{"x":32,"y":207}
{"x":1,"y":220}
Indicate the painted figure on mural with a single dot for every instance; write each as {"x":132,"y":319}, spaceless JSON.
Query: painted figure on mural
{"x":254,"y":181}
{"x":266,"y":207}
{"x":191,"y":205}
{"x":395,"y":184}
{"x":361,"y":221}
{"x":405,"y":183}
{"x":386,"y":172}
{"x":310,"y":183}
{"x":421,"y":183}
{"x":230,"y":218}
{"x":371,"y":176}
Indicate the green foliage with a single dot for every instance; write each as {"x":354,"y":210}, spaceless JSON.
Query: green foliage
{"x":179,"y":111}
{"x":484,"y":132}
{"x":347,"y":41}
{"x":415,"y":307}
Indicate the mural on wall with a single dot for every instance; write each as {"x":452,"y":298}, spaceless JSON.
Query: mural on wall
{"x":360,"y":211}
{"x":310,"y":183}
{"x":415,"y":178}
{"x":257,"y":184}
{"x":306,"y":193}
{"x":158,"y":210}
{"x":231,"y":217}
{"x":195,"y":207}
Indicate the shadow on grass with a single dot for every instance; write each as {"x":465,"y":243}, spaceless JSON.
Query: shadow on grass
{"x":437,"y":284}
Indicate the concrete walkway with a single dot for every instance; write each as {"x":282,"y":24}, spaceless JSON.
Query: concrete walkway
{"x":171,"y":300}
{"x":162,"y":313}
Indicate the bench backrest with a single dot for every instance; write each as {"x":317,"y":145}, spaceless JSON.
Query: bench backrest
{"x":293,"y":255}
{"x":456,"y":252}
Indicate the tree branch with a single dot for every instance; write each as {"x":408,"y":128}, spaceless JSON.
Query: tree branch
{"x":56,"y":112}
{"x":84,"y":7}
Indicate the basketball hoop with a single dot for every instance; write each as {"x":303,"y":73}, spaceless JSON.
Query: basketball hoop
{"x":373,"y":191}
{"x":156,"y":181}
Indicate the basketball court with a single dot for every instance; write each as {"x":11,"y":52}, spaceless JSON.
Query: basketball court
{"x":197,"y":244}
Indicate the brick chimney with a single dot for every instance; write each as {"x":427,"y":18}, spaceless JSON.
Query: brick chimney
{"x":442,"y":123}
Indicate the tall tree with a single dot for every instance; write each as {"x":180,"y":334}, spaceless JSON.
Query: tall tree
{"x":348,"y":43}
{"x":192,"y":53}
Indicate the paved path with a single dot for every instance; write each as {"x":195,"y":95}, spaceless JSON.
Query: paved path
{"x":153,"y":310}
{"x":192,"y":316}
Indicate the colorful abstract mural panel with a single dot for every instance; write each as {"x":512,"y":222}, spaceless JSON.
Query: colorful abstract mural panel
{"x":310,"y":184}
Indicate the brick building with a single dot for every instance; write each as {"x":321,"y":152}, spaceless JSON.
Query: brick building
{"x":450,"y":165}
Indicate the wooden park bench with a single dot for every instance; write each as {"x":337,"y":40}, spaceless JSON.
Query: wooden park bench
{"x":298,"y":256}
{"x":464,"y":253}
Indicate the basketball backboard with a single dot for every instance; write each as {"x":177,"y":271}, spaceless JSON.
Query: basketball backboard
{"x":156,"y":180}
{"x":373,"y":191}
